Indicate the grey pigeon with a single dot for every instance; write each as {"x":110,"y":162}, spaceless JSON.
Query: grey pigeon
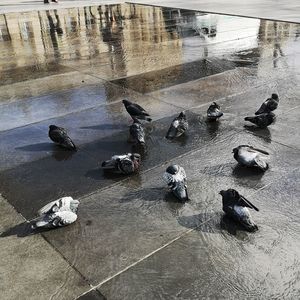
{"x":235,"y":206}
{"x":263,"y":120}
{"x":175,"y":177}
{"x":136,"y":110}
{"x":137,"y":132}
{"x":178,"y":126}
{"x":59,"y":136}
{"x":124,"y":164}
{"x":214,"y":112}
{"x":57,"y":213}
{"x":250,"y":157}
{"x":269,"y":105}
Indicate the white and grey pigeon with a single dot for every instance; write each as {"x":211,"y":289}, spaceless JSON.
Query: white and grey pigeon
{"x":175,"y":177}
{"x":59,"y":136}
{"x":124,"y":164}
{"x":236,"y":206}
{"x":178,"y":126}
{"x":269,"y":105}
{"x":214,"y":112}
{"x":137,"y":132}
{"x":251,"y":157}
{"x":57,"y":213}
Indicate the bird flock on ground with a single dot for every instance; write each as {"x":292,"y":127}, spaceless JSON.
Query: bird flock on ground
{"x":64,"y":210}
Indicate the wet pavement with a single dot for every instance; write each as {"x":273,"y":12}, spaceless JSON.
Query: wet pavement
{"x":72,"y":67}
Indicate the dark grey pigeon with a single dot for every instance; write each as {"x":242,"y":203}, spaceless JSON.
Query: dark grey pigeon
{"x":59,"y":136}
{"x":136,"y":110}
{"x":175,"y":177}
{"x":263,"y":120}
{"x":269,"y":105}
{"x":178,"y":126}
{"x":235,"y":206}
{"x":57,"y":213}
{"x":250,"y":157}
{"x":137,"y":132}
{"x":214,"y":112}
{"x":124,"y":164}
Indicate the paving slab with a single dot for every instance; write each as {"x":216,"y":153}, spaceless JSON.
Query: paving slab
{"x":220,"y":260}
{"x":30,"y":267}
{"x":267,"y":9}
{"x":55,"y":172}
{"x":84,"y":125}
{"x":122,"y":224}
{"x":46,"y":85}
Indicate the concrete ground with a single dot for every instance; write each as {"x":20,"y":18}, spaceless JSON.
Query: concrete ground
{"x":132,"y":240}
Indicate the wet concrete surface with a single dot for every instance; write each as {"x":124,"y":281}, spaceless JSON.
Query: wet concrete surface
{"x":132,"y":239}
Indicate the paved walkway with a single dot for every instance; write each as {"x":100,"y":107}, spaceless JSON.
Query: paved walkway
{"x":133,"y":240}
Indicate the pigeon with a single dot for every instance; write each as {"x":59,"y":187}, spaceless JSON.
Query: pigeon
{"x":124,"y":164}
{"x":262,"y":120}
{"x":57,"y":213}
{"x":178,"y":126}
{"x":269,"y":105}
{"x":214,"y":112}
{"x":250,"y":157}
{"x":136,"y":111}
{"x":137,"y":133}
{"x":59,"y":136}
{"x":236,"y":206}
{"x":175,"y":177}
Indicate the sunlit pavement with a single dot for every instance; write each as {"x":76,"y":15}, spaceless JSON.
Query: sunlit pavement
{"x":72,"y":67}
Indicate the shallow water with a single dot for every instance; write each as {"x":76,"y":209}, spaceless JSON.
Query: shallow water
{"x":72,"y":67}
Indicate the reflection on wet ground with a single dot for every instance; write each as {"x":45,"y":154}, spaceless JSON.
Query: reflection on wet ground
{"x":72,"y":67}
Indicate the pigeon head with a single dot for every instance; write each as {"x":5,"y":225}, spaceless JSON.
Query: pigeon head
{"x":182,"y":115}
{"x":173,"y":169}
{"x":235,"y":150}
{"x":53,"y":127}
{"x":230,"y":194}
{"x":126,"y":102}
{"x":275,"y":96}
{"x":215,"y":105}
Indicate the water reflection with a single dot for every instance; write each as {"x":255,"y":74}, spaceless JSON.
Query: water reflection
{"x":129,"y":39}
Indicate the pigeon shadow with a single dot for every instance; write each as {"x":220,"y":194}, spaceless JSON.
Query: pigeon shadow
{"x":212,"y":126}
{"x":147,"y":194}
{"x":205,"y":222}
{"x":37,"y":147}
{"x":232,"y":227}
{"x":242,"y":172}
{"x":263,"y":133}
{"x":181,"y":140}
{"x":101,"y":174}
{"x":22,"y":230}
{"x":61,"y":155}
{"x":105,"y":127}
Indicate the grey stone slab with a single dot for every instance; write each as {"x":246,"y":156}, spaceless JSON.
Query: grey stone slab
{"x":44,"y":85}
{"x":208,"y":89}
{"x":29,"y":143}
{"x":51,"y":172}
{"x":36,"y":109}
{"x":220,"y":260}
{"x":30,"y":267}
{"x":135,"y":217}
{"x":268,"y":9}
{"x":286,"y":128}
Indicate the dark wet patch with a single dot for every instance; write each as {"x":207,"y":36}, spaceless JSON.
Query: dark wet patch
{"x":92,"y":295}
{"x":156,"y":80}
